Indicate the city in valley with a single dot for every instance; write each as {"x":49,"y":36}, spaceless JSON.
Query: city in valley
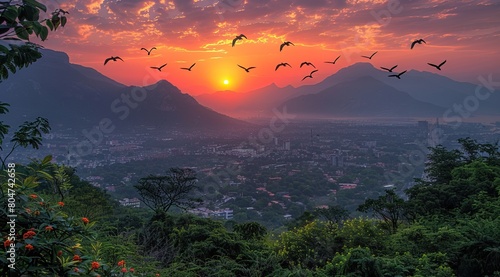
{"x":263,"y":175}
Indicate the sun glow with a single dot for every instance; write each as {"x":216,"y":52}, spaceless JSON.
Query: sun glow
{"x":226,"y":82}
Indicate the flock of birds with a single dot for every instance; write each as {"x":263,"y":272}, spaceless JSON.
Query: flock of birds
{"x":285,"y":64}
{"x":116,"y":58}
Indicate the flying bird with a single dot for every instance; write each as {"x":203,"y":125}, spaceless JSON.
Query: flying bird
{"x":158,"y":67}
{"x":398,"y":75}
{"x":437,"y":66}
{"x":370,"y":56}
{"x":389,"y":69}
{"x":282,"y":64}
{"x":307,"y":63}
{"x":247,"y":69}
{"x":419,"y":41}
{"x":188,"y":68}
{"x":310,"y":75}
{"x":334,"y":60}
{"x":286,"y":43}
{"x":149,"y":51}
{"x":112,"y":59}
{"x":238,"y":38}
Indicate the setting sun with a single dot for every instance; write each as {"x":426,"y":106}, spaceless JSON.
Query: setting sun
{"x":226,"y":82}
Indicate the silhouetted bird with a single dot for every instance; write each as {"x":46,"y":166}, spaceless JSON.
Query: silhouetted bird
{"x":419,"y":41}
{"x":310,"y":75}
{"x":188,"y":68}
{"x":112,"y":59}
{"x":286,"y":43}
{"x":334,"y":60}
{"x":158,"y":67}
{"x":398,"y":75}
{"x":370,"y":56}
{"x":389,"y":69}
{"x":247,"y":69}
{"x":238,"y":38}
{"x":307,"y":63}
{"x":437,"y":66}
{"x":149,"y":51}
{"x":282,"y":64}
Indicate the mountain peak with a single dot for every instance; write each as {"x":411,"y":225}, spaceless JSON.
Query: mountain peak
{"x":53,"y":56}
{"x":70,"y":95}
{"x":360,"y":68}
{"x":163,"y":85}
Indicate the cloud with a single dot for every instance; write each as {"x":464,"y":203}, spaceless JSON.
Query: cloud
{"x":210,"y":25}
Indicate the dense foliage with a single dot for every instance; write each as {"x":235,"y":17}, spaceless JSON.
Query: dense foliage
{"x":18,"y":21}
{"x":67,"y":227}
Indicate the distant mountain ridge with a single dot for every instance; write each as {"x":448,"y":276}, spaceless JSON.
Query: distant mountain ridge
{"x":74,"y":95}
{"x":262,"y":99}
{"x":361,"y":97}
{"x":433,"y":89}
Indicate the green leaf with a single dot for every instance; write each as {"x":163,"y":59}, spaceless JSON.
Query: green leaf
{"x":32,"y":14}
{"x":44,"y":33}
{"x":4,"y":49}
{"x":36,"y":4}
{"x":37,"y":27}
{"x":4,"y":73}
{"x":63,"y":20}
{"x":22,"y":33}
{"x":49,"y":24}
{"x":56,"y":21}
{"x":46,"y":160}
{"x":10,"y":14}
{"x":27,"y":24}
{"x":4,"y":107}
{"x":11,"y":67}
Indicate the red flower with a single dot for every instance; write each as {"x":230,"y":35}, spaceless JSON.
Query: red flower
{"x":95,"y":265}
{"x":28,"y":210}
{"x":33,"y":196}
{"x":157,"y":275}
{"x":60,"y":204}
{"x":36,"y":213}
{"x":59,"y":253}
{"x":76,"y":269}
{"x":29,"y":247}
{"x":124,"y":269}
{"x":77,"y":258}
{"x":49,"y":228}
{"x":85,"y":220}
{"x":132,"y":270}
{"x":7,"y":243}
{"x":42,"y":203}
{"x":29,"y":235}
{"x":121,"y":263}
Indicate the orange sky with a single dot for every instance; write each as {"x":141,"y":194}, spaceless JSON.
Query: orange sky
{"x":464,"y":32}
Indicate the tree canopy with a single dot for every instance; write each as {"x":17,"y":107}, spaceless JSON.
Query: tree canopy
{"x":160,"y":193}
{"x":18,"y":21}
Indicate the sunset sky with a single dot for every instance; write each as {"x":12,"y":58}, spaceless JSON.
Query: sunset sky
{"x":464,"y":32}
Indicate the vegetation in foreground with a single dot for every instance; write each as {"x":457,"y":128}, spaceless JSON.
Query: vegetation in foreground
{"x":447,"y":227}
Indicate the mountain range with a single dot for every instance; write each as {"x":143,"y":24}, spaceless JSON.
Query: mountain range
{"x":70,"y":95}
{"x":73,"y":95}
{"x":346,"y":94}
{"x":350,"y":99}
